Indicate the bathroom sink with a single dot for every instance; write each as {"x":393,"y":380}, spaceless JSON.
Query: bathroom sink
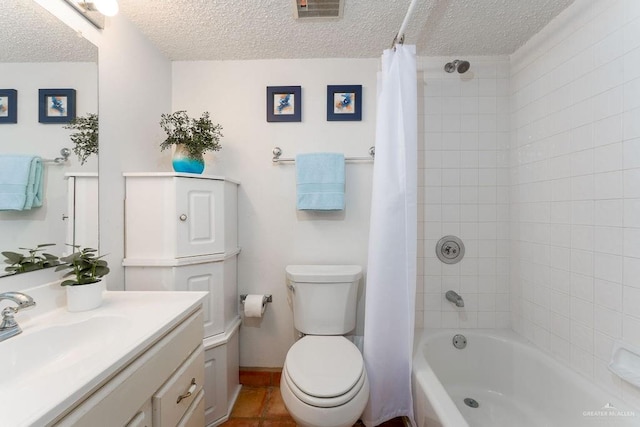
{"x":53,"y":349}
{"x":61,"y":357}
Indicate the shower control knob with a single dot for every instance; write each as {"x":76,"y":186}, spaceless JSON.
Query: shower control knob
{"x":183,"y":217}
{"x":450,"y":249}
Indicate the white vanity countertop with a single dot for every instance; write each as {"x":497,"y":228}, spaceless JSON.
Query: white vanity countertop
{"x":62,"y":356}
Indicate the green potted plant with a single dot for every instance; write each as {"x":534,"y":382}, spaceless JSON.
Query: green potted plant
{"x":192,"y":138}
{"x":84,"y":288}
{"x":85,"y":139}
{"x":33,"y":260}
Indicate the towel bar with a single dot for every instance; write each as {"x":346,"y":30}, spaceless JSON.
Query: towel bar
{"x":64,"y":156}
{"x":277,"y":152}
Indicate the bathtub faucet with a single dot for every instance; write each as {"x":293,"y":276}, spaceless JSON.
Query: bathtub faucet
{"x":454,"y":298}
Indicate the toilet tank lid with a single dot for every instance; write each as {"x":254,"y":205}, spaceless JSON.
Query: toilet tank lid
{"x":323,"y":273}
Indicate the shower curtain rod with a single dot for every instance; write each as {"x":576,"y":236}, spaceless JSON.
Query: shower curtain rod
{"x":399,"y":38}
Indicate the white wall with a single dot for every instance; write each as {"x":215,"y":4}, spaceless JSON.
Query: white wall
{"x":135,"y":89}
{"x":28,"y":136}
{"x":575,"y":189}
{"x":272,"y":233}
{"x":463,"y":183}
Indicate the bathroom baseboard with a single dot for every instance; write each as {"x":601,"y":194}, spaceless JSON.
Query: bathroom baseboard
{"x":260,"y":377}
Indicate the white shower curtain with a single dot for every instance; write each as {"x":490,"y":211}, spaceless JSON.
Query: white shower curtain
{"x":391,"y":270}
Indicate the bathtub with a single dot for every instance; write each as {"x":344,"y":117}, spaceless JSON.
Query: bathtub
{"x":513,"y":383}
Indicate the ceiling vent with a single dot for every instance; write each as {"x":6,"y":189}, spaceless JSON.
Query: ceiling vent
{"x":309,"y":9}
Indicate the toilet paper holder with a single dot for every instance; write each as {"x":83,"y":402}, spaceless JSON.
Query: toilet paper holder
{"x":265,"y":298}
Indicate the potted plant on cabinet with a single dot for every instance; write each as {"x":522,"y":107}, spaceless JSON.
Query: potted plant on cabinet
{"x":192,"y":138}
{"x":21,"y":263}
{"x":85,"y":139}
{"x":84,"y":288}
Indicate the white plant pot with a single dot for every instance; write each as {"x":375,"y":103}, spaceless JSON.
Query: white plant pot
{"x":85,"y":297}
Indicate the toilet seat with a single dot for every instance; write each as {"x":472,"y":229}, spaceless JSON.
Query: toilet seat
{"x":324,"y":371}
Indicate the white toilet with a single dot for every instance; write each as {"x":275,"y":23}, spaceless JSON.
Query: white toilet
{"x":324,"y":383}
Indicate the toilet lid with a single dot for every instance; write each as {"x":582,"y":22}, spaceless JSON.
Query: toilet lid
{"x":324,"y":366}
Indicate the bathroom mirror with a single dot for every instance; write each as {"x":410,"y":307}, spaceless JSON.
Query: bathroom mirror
{"x":38,"y":51}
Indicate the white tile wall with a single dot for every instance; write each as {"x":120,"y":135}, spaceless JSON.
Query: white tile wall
{"x":575,"y":187}
{"x":464,"y":191}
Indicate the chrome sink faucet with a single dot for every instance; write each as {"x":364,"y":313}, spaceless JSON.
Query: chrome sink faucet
{"x":454,"y":298}
{"x":9,"y":327}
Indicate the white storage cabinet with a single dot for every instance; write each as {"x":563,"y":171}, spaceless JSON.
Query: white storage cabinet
{"x":181,"y":234}
{"x":170,"y":216}
{"x":82,"y":210}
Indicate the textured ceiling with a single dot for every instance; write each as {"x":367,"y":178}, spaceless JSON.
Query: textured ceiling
{"x":31,"y":34}
{"x":259,"y":29}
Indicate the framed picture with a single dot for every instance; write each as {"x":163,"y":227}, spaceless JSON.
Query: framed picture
{"x":56,"y":105}
{"x":284,"y":104}
{"x":8,"y":106}
{"x":344,"y":103}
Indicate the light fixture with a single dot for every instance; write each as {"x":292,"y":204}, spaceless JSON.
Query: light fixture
{"x":95,"y":10}
{"x":107,"y":7}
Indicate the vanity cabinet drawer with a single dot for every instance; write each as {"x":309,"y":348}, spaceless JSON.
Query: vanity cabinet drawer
{"x":195,"y":414}
{"x":173,"y":399}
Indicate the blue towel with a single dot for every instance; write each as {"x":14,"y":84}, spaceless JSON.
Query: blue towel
{"x":21,"y":182}
{"x":320,"y":181}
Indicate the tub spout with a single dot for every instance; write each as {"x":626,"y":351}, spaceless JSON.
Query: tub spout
{"x":454,"y":298}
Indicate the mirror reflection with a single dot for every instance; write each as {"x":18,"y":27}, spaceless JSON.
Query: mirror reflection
{"x":37,"y":51}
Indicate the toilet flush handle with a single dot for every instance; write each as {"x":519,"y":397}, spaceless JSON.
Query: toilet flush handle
{"x":290,"y":286}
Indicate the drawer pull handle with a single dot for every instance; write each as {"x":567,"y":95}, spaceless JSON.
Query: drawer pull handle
{"x":183,"y":217}
{"x":189,"y":392}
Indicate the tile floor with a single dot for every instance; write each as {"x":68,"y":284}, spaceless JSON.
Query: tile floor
{"x":259,"y":403}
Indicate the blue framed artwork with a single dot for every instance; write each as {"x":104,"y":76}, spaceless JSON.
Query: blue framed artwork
{"x":8,"y":106}
{"x":56,"y":105}
{"x":344,"y":103}
{"x":284,"y":104}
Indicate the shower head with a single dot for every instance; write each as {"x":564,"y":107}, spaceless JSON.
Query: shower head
{"x":463,"y":66}
{"x":460,"y":66}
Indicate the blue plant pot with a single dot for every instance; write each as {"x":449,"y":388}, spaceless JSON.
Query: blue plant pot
{"x":187,"y":165}
{"x":184,"y":164}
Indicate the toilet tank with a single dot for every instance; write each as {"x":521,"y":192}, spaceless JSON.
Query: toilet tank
{"x":324,"y":297}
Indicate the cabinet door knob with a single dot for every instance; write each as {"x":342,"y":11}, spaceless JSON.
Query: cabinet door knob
{"x":183,"y":217}
{"x":189,"y":392}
